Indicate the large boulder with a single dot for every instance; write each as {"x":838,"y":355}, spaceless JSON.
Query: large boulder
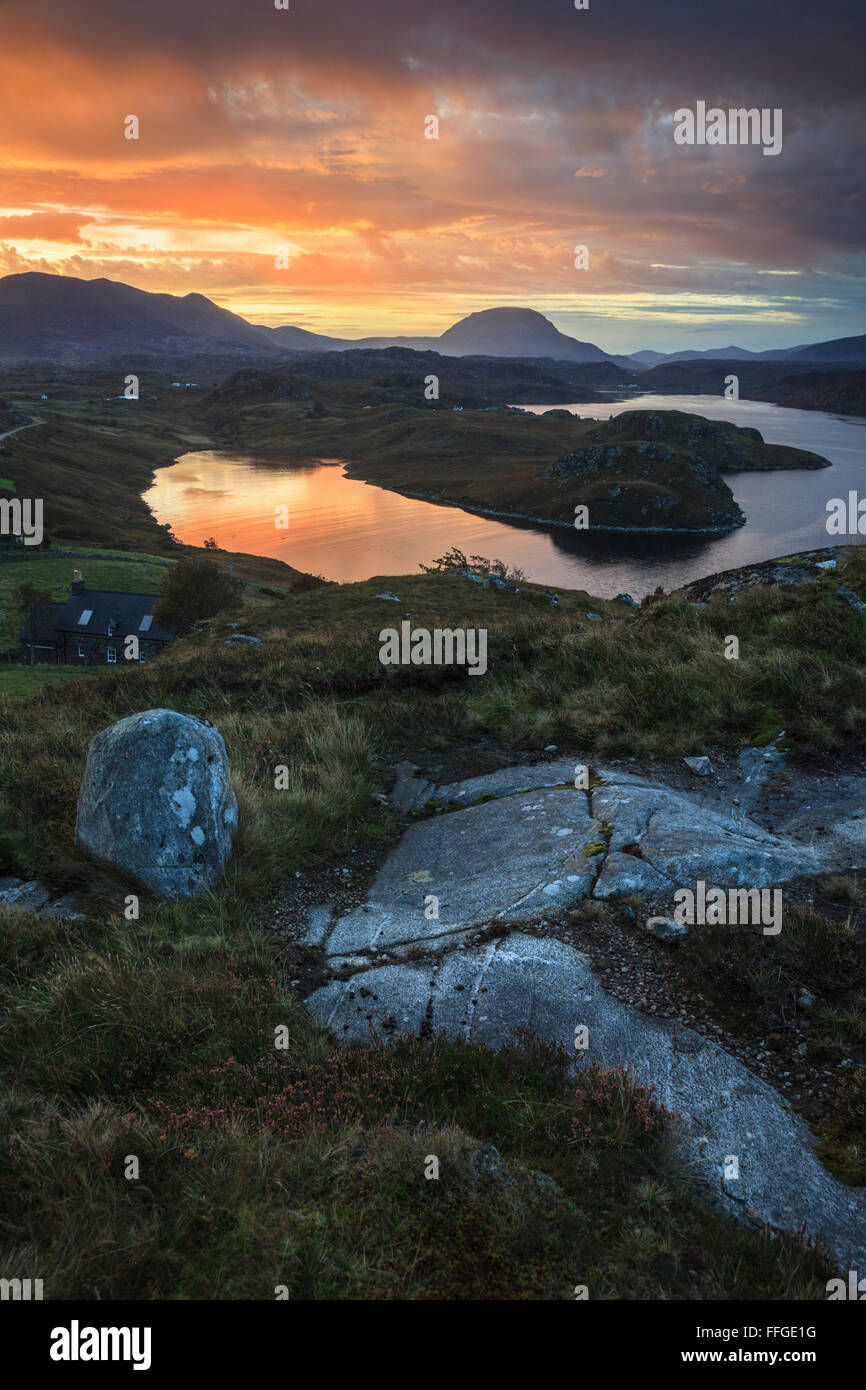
{"x":156,"y":802}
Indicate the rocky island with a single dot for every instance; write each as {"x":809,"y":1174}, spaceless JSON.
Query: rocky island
{"x":661,"y":471}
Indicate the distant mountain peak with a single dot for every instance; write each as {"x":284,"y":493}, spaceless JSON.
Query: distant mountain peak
{"x":515,"y":332}
{"x":67,"y":319}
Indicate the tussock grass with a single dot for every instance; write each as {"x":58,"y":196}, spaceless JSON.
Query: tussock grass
{"x":305,"y":1167}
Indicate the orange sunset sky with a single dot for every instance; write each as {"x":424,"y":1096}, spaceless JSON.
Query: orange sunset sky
{"x":263,"y":129}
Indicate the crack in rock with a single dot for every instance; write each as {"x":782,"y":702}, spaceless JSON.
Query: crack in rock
{"x":520,"y":851}
{"x":545,"y":987}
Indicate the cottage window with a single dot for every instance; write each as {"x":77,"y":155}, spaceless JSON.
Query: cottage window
{"x":81,"y":651}
{"x":85,"y":617}
{"x":111,"y":654}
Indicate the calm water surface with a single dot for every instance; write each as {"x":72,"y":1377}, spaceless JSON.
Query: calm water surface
{"x":346,"y":529}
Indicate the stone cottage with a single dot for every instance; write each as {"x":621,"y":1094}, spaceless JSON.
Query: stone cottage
{"x":91,"y":628}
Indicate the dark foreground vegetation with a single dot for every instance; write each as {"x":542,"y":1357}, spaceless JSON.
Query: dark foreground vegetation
{"x":304,"y":1166}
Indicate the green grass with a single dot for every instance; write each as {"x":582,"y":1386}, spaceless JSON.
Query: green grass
{"x":18,"y":682}
{"x":659,"y":684}
{"x":129,"y":575}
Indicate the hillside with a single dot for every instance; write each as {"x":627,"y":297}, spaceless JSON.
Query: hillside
{"x":789,"y":383}
{"x":515,"y":333}
{"x":662,"y":471}
{"x":10,"y":418}
{"x":838,"y":392}
{"x":157,"y":1040}
{"x":387,"y":376}
{"x":65,"y":319}
{"x":499,"y":333}
{"x":91,"y":462}
{"x":849,"y":350}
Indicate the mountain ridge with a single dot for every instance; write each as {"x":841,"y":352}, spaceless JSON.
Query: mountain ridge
{"x":67,"y":319}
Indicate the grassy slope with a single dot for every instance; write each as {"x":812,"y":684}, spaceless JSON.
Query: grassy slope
{"x":125,"y":573}
{"x":305,"y":1167}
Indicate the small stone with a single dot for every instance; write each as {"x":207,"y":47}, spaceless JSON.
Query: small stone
{"x":666,"y":929}
{"x":29,"y":894}
{"x":702,"y":767}
{"x":68,"y":908}
{"x":806,"y":1000}
{"x":240,"y":639}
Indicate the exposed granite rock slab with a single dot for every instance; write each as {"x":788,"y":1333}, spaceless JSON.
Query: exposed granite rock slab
{"x":724,"y":1111}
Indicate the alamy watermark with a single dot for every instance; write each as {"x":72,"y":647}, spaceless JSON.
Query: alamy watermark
{"x":21,"y":1290}
{"x":77,"y":1343}
{"x":855,"y":1289}
{"x":846,"y":518}
{"x":443,"y":647}
{"x":738,"y":126}
{"x":731,"y":907}
{"x":22,"y":518}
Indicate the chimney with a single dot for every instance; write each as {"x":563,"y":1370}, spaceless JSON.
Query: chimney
{"x":77,"y":582}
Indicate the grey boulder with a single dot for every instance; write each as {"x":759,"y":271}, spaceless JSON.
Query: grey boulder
{"x":156,"y":802}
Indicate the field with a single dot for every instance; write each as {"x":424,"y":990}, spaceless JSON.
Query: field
{"x":18,"y":682}
{"x":125,"y":573}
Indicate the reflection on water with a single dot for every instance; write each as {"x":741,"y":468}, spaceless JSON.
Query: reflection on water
{"x":344,"y":529}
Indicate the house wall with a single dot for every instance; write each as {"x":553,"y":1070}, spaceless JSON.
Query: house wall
{"x":95,"y":647}
{"x":45,"y":655}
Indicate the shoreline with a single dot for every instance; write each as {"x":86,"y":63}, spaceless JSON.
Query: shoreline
{"x":542,"y":521}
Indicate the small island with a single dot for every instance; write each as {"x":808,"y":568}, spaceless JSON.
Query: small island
{"x":661,"y":471}
{"x":642,"y":471}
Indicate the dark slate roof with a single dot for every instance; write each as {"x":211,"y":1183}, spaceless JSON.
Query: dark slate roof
{"x":127,"y":611}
